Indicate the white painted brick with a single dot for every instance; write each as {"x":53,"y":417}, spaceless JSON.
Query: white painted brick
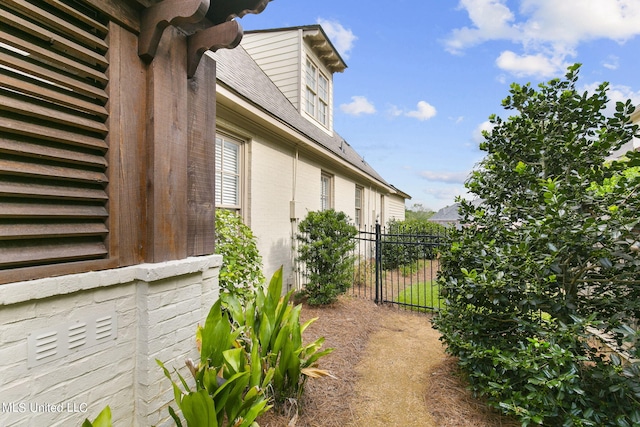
{"x":10,"y":372}
{"x":16,"y":352}
{"x":110,"y":293}
{"x":17,"y":313}
{"x":18,"y":391}
{"x":122,"y":372}
{"x":172,"y":311}
{"x":186,"y":293}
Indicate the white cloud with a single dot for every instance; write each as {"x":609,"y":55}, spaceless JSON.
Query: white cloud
{"x":394,"y":111}
{"x":448,"y":177}
{"x":616,"y":93}
{"x":549,"y":31}
{"x":492,"y":20}
{"x":477,"y":133}
{"x":424,"y":111}
{"x":342,"y":38}
{"x":573,"y":21}
{"x":447,"y":193}
{"x":530,"y":65}
{"x":612,"y":62}
{"x":358,"y":105}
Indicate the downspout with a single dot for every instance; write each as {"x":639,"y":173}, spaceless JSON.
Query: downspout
{"x":295,"y":175}
{"x":294,"y":281}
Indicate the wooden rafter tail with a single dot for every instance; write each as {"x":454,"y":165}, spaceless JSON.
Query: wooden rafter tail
{"x":225,"y":10}
{"x":168,"y":12}
{"x":223,"y":36}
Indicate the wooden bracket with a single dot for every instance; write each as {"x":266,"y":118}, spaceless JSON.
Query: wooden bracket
{"x":158,"y":17}
{"x":223,"y":36}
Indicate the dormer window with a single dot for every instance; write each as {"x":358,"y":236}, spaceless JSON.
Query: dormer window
{"x":317,"y":105}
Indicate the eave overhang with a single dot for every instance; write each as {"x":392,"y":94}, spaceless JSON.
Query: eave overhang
{"x":315,"y":36}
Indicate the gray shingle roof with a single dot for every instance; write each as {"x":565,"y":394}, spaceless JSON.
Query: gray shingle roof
{"x":240,"y":73}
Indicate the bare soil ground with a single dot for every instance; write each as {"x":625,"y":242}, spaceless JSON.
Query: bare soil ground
{"x":390,"y":369}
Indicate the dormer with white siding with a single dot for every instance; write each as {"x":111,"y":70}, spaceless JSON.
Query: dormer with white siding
{"x":301,"y":61}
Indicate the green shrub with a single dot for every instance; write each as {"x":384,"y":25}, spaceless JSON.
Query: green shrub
{"x":549,"y":261}
{"x":241,"y":271}
{"x":406,"y":242}
{"x":326,"y":242}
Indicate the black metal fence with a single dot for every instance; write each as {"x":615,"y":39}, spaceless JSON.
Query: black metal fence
{"x":398,"y":265}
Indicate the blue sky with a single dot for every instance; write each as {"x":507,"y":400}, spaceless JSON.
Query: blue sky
{"x":423,"y":76}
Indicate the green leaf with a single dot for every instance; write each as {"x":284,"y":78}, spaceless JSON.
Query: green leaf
{"x":102,"y":420}
{"x":198,"y":410}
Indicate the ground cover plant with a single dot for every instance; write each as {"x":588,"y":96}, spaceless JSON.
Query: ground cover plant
{"x":325,"y":251}
{"x":547,"y":263}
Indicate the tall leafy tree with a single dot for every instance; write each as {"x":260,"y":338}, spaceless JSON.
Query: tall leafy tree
{"x":548,"y":263}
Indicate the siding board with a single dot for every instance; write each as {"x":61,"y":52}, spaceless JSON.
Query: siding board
{"x":277,"y":54}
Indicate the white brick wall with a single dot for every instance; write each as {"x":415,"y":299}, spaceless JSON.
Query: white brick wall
{"x":157,"y":307}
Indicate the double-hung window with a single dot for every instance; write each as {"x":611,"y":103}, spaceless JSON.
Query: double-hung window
{"x":358,"y":204}
{"x":317,"y":92}
{"x":326,"y":188}
{"x":228,"y":173}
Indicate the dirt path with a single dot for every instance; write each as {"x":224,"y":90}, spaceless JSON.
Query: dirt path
{"x":390,"y":369}
{"x":395,"y":372}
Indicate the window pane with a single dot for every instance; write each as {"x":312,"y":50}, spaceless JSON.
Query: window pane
{"x":311,"y":75}
{"x":230,"y":156}
{"x":230,"y":184}
{"x":322,"y":113}
{"x":325,"y":192}
{"x":323,"y":85}
{"x":311,"y":102}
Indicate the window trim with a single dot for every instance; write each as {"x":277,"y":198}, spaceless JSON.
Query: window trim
{"x":326,"y":199}
{"x":240,"y":143}
{"x":359,"y":203}
{"x":317,"y":106}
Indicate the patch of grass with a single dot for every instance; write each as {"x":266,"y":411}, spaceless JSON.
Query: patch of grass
{"x":425,"y":294}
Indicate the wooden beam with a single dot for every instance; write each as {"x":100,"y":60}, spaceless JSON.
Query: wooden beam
{"x":226,"y":35}
{"x":168,"y":12}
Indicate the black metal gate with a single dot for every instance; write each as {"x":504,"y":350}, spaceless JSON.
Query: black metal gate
{"x":397,"y":265}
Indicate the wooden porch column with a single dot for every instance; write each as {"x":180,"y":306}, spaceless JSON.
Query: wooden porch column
{"x":167,"y":150}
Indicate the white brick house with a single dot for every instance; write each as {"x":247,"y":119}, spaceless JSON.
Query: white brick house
{"x":278,"y":155}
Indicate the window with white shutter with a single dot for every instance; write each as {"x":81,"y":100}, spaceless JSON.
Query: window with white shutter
{"x":228,"y":173}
